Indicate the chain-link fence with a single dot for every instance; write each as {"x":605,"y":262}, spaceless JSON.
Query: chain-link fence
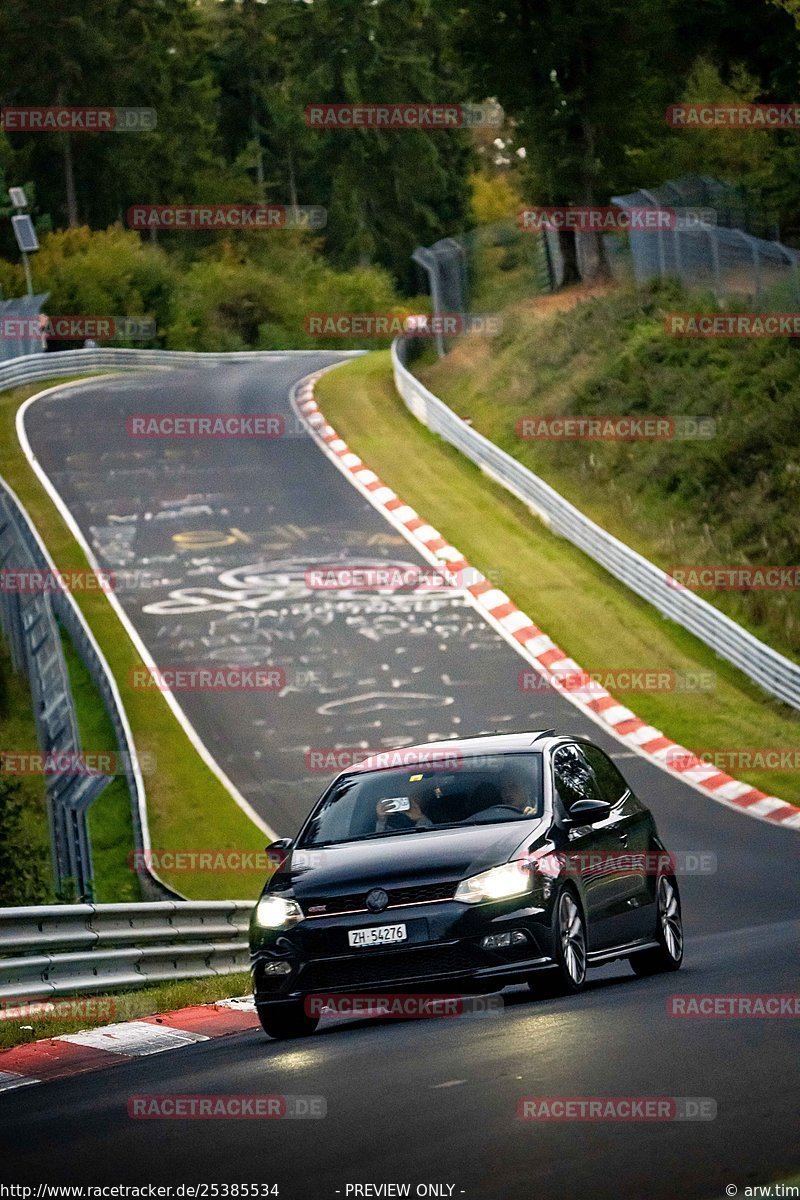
{"x":724,"y":244}
{"x":723,"y":256}
{"x":487,"y":268}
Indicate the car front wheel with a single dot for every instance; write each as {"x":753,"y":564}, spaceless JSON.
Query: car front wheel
{"x":282,"y":1021}
{"x":570,"y":944}
{"x":669,"y":933}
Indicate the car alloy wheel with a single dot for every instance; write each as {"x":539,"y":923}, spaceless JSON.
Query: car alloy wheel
{"x":569,"y":950}
{"x":669,"y":933}
{"x":669,"y":914}
{"x":573,"y":939}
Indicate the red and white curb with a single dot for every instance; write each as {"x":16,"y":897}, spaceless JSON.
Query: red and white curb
{"x":527,"y":639}
{"x":113,"y":1045}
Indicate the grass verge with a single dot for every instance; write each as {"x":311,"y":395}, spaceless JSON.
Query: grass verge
{"x":188,"y":807}
{"x":730,"y":497}
{"x":122,"y":1006}
{"x":588,"y":613}
{"x":25,"y":866}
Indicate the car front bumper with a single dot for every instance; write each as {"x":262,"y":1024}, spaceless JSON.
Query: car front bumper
{"x":444,"y":951}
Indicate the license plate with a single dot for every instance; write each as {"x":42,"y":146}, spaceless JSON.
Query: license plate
{"x":378,"y":935}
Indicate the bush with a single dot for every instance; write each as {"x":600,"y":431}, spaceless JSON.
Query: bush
{"x":249,"y":291}
{"x":24,"y":866}
{"x":108,"y":273}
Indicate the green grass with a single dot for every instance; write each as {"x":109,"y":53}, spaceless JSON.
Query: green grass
{"x":188,"y":806}
{"x":590,"y":615}
{"x":122,"y":1006}
{"x":26,"y":839}
{"x":733,"y":498}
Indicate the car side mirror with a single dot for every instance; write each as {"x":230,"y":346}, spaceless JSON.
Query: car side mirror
{"x":278,"y":852}
{"x":279,"y":844}
{"x":589,"y":812}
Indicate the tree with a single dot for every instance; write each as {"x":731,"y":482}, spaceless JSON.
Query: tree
{"x":68,"y":61}
{"x":584,"y":80}
{"x":386,"y":191}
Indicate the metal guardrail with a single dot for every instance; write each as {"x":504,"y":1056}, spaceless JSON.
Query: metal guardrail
{"x":772,"y":671}
{"x":72,"y":362}
{"x":75,"y":949}
{"x":31,"y":625}
{"x":29,"y":621}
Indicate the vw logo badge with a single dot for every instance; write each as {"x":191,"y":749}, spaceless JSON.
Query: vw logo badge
{"x":377,"y":900}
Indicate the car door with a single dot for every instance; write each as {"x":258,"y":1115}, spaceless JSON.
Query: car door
{"x":632,"y":827}
{"x":591,"y":850}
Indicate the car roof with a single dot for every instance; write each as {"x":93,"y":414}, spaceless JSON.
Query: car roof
{"x":469,"y":747}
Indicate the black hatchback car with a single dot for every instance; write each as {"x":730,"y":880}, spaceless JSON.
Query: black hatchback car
{"x":462,"y":866}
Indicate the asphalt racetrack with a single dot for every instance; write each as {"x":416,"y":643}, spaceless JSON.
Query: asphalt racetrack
{"x":214,"y":539}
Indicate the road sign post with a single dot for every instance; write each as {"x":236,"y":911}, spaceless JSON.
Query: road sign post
{"x":24,"y":232}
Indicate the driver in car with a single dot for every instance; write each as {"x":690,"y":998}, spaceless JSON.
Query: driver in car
{"x":513,"y":793}
{"x":515,"y":789}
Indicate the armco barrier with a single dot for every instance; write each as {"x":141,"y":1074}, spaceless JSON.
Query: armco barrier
{"x":772,"y":671}
{"x":76,"y":949}
{"x":73,"y":362}
{"x":30,"y":623}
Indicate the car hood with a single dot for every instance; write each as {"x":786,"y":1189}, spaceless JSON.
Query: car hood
{"x":437,"y":855}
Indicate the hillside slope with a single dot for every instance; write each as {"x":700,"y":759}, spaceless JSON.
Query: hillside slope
{"x":730,"y":498}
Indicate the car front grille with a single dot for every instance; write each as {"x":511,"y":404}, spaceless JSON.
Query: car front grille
{"x":357,"y":901}
{"x":386,"y":968}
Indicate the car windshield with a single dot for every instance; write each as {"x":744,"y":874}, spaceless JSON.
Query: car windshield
{"x":473,"y":791}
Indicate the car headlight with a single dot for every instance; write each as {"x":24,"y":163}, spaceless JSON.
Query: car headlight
{"x":273,"y":912}
{"x":498,"y":883}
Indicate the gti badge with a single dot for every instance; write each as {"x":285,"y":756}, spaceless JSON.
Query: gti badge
{"x":377,"y":900}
